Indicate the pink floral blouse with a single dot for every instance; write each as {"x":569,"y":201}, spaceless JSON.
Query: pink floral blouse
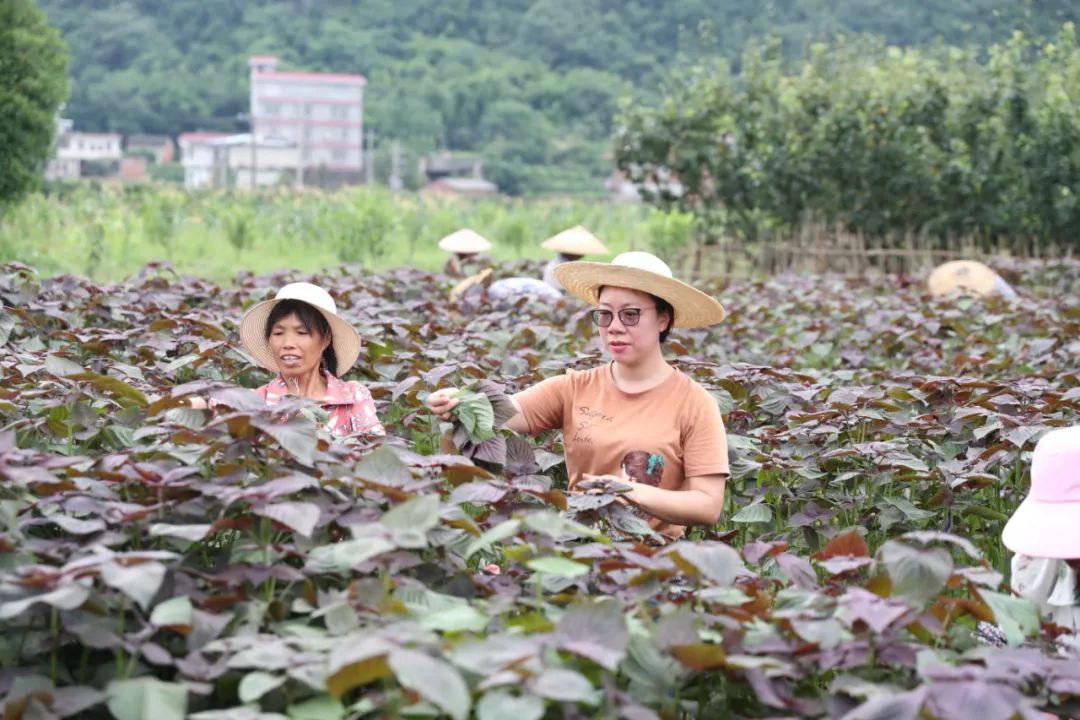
{"x":351,"y":408}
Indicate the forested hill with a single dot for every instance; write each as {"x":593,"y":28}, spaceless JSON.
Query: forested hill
{"x":532,"y":85}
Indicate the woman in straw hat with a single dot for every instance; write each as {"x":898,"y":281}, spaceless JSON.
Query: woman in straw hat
{"x":637,"y":401}
{"x":1042,"y":531}
{"x":968,"y":277}
{"x":466,"y":246}
{"x":571,"y":245}
{"x":300,"y":336}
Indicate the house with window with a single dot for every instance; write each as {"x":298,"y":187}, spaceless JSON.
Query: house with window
{"x":197,"y":158}
{"x":82,"y":154}
{"x":322,"y":114}
{"x":160,"y":148}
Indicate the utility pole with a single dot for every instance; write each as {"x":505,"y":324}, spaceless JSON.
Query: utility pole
{"x":395,"y":166}
{"x":369,"y":157}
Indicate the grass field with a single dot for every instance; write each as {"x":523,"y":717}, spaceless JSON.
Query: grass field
{"x":109,"y":232}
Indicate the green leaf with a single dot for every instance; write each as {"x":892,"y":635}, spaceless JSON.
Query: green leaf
{"x":501,"y":705}
{"x":139,"y":582}
{"x":186,"y":417}
{"x":908,"y":508}
{"x":343,"y":556}
{"x":436,"y":681}
{"x":383,"y":466}
{"x":61,"y":366}
{"x":754,"y":513}
{"x":65,"y":597}
{"x":476,"y":414}
{"x":322,"y":707}
{"x":456,"y":619}
{"x":116,"y":387}
{"x":301,"y":517}
{"x":565,"y":686}
{"x":256,"y":684}
{"x":917,"y":573}
{"x":502,"y":531}
{"x":146,"y":699}
{"x":411,"y":520}
{"x":716,"y":561}
{"x":1017,"y":617}
{"x":557,"y":566}
{"x":174,"y":611}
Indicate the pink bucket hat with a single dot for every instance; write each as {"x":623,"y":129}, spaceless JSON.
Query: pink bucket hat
{"x":1046,"y":523}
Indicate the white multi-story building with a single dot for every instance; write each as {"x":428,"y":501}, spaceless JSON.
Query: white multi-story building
{"x":197,"y":157}
{"x":73,"y":149}
{"x":321,"y":113}
{"x":218,"y":160}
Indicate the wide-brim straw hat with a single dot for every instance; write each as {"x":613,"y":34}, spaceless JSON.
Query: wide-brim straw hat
{"x":1045,"y":523}
{"x":964,"y":277}
{"x":465,"y":241}
{"x":645,"y":272}
{"x":344,"y":338}
{"x":576,"y":241}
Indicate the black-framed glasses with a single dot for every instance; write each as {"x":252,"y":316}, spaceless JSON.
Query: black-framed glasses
{"x":627,"y":316}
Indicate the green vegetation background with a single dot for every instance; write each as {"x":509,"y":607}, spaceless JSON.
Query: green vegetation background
{"x":533,"y":85}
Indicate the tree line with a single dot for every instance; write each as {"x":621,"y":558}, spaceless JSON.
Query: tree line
{"x":532,"y":85}
{"x":871,"y":138}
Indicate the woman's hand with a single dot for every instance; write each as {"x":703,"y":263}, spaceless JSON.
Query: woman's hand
{"x":599,"y":484}
{"x":441,"y":402}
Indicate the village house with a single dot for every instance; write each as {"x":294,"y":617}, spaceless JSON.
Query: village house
{"x":220,"y":160}
{"x":322,"y":114}
{"x":81,"y":154}
{"x":461,"y":187}
{"x":197,"y":158}
{"x":159,"y":147}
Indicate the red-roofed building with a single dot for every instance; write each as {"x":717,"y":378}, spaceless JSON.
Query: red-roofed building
{"x":322,"y":113}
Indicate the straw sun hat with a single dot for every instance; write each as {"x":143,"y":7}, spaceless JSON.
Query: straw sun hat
{"x":576,"y":241}
{"x":645,"y":272}
{"x":1044,"y":526}
{"x":345,"y":340}
{"x":465,"y":241}
{"x":966,"y":277}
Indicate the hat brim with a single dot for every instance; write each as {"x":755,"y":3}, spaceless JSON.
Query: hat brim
{"x":693,"y":308}
{"x":1044,"y":529}
{"x":344,"y":338}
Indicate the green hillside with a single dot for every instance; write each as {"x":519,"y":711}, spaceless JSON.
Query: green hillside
{"x":533,"y":85}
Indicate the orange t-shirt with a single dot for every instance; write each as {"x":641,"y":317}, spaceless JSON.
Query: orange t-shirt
{"x":677,"y":420}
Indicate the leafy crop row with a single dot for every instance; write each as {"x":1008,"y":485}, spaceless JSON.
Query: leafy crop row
{"x":158,"y":561}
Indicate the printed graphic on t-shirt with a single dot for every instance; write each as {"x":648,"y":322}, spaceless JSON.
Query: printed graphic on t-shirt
{"x":643,"y":467}
{"x":589,"y":420}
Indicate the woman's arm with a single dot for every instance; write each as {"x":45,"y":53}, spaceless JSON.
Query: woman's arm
{"x":699,"y":502}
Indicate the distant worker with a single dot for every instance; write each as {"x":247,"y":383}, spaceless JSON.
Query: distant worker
{"x":572,"y":244}
{"x":466,"y":246}
{"x":968,"y":277}
{"x":478,"y":291}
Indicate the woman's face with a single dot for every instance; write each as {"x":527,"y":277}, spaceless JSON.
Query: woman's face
{"x":630,"y":343}
{"x":296,"y":350}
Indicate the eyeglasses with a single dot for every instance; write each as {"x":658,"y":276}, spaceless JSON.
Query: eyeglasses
{"x":627,"y":316}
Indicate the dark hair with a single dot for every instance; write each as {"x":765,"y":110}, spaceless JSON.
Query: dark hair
{"x":312,"y":320}
{"x":663,"y":307}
